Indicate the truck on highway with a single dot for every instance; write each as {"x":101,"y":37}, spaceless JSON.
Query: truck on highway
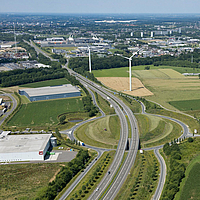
{"x":82,"y":144}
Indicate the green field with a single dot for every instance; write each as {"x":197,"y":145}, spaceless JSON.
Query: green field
{"x":94,"y":133}
{"x":45,"y":113}
{"x":25,"y":180}
{"x":186,"y":105}
{"x":53,"y":82}
{"x":157,"y":74}
{"x":123,"y":71}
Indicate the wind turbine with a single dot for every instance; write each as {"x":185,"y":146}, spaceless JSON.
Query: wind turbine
{"x":130,"y":59}
{"x":90,"y":67}
{"x":15,"y":39}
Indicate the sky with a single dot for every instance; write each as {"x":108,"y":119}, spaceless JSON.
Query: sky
{"x":100,"y":6}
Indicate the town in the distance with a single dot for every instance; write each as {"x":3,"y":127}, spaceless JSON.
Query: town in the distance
{"x":99,"y":106}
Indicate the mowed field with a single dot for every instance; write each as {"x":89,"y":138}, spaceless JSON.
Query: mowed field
{"x":45,"y":113}
{"x":164,"y":83}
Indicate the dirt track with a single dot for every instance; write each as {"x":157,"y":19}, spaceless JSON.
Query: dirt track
{"x":122,"y":84}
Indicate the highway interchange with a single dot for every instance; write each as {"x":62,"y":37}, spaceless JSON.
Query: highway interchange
{"x":122,"y":110}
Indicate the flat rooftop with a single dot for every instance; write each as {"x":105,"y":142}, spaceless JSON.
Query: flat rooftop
{"x":51,"y":90}
{"x":23,"y":143}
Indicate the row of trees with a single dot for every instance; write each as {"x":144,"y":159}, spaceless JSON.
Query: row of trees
{"x":88,"y":106}
{"x":64,"y":176}
{"x":20,"y":76}
{"x":184,"y":60}
{"x":176,"y":173}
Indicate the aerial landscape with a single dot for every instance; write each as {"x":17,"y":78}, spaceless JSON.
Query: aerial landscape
{"x":99,"y":100}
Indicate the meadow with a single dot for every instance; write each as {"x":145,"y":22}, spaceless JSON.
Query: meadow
{"x":53,"y":82}
{"x":45,"y":113}
{"x":24,"y":181}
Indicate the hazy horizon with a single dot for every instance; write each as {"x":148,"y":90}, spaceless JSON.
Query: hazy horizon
{"x":100,"y":7}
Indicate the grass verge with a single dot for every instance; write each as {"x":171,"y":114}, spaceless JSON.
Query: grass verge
{"x":143,"y":178}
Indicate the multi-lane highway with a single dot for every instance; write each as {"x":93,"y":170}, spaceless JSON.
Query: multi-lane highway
{"x":134,"y":142}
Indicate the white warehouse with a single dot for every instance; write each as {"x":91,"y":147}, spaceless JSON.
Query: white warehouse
{"x":24,"y":147}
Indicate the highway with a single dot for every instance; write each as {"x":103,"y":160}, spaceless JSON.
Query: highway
{"x":38,"y":50}
{"x":113,"y":190}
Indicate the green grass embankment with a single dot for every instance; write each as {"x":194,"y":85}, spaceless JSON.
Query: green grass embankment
{"x":155,"y":131}
{"x":104,"y":132}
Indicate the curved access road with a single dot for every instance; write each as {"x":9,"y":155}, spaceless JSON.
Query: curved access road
{"x":163,"y":170}
{"x":14,"y":105}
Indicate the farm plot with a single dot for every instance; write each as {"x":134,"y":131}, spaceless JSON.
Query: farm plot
{"x":121,"y":84}
{"x":45,"y":113}
{"x":186,"y":105}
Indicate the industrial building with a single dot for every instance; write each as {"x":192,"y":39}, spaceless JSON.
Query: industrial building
{"x":24,"y":147}
{"x":51,"y":92}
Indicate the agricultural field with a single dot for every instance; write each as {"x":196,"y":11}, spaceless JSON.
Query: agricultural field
{"x":104,"y":132}
{"x":186,"y":105}
{"x":45,"y":113}
{"x":53,"y":82}
{"x":123,"y":71}
{"x":121,"y":84}
{"x":142,"y":180}
{"x":25,"y":181}
{"x":166,"y":83}
{"x":155,"y":131}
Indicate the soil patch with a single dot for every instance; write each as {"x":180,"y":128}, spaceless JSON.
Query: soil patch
{"x":121,"y":84}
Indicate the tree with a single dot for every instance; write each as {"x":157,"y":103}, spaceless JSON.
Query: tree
{"x":62,"y":119}
{"x":190,"y":139}
{"x":58,"y":133}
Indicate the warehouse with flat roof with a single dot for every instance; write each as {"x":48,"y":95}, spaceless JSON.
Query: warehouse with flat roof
{"x":51,"y":92}
{"x":24,"y":147}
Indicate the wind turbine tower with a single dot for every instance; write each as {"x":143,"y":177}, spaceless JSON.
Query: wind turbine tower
{"x":90,"y":66}
{"x":130,"y":78}
{"x":15,"y":40}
